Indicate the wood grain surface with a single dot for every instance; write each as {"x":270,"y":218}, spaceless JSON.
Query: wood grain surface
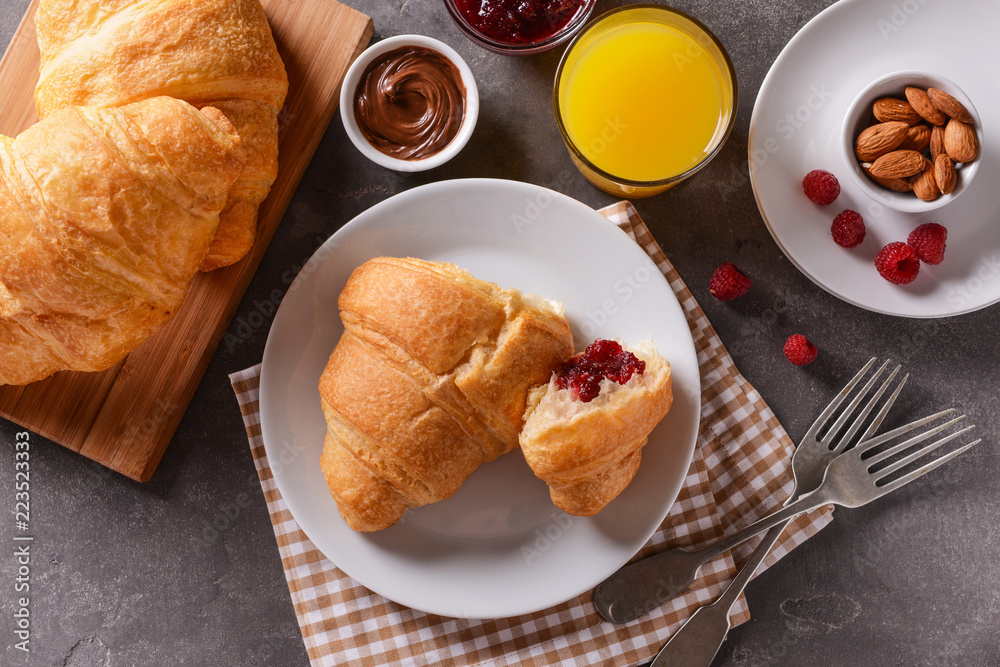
{"x":125,"y":417}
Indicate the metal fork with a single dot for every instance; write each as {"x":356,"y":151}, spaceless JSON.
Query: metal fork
{"x":699,"y":639}
{"x":849,"y":482}
{"x":626,"y":595}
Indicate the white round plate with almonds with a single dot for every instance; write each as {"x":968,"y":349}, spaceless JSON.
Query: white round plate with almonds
{"x":797,"y":126}
{"x":498,"y":547}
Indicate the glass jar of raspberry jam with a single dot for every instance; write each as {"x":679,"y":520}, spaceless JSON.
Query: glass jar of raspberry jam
{"x":519,"y":27}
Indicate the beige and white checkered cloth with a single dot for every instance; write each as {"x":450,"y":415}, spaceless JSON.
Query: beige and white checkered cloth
{"x":739,"y":472}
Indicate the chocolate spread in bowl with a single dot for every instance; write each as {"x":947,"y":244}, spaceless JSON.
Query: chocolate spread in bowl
{"x":410,"y":103}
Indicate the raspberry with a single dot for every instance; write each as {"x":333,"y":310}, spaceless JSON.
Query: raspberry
{"x":728,"y":283}
{"x":799,"y":350}
{"x":897,"y":263}
{"x":927,"y":241}
{"x":821,"y":187}
{"x":848,"y":229}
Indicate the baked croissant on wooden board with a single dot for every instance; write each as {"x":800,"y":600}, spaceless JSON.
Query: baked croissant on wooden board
{"x":588,"y":452}
{"x":105,"y":217}
{"x":218,"y":53}
{"x":428,"y":381}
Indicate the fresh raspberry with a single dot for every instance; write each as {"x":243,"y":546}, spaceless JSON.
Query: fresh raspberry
{"x":927,"y":241}
{"x":728,"y":283}
{"x":848,"y":229}
{"x":821,"y":187}
{"x":898,"y":263}
{"x":799,"y":350}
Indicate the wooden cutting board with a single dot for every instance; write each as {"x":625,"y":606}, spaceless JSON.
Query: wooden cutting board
{"x":125,"y":417}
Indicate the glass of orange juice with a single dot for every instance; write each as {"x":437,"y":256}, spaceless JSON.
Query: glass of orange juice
{"x":644,"y":97}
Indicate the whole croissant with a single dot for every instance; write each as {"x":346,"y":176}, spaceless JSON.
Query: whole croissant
{"x":218,"y":53}
{"x":105,"y":217}
{"x":428,"y":381}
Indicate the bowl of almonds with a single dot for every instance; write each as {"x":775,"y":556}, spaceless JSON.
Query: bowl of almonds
{"x":914,"y":140}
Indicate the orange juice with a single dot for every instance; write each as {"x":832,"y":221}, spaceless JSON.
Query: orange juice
{"x":645,"y":95}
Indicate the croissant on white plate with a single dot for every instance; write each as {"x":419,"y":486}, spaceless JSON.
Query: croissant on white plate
{"x":105,"y":217}
{"x":217,"y":53}
{"x":429,"y":380}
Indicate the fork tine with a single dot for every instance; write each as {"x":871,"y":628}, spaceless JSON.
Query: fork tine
{"x":919,"y":472}
{"x":910,"y":458}
{"x":856,"y":424}
{"x":865,"y":445}
{"x":880,"y":417}
{"x":838,"y":399}
{"x":903,"y":446}
{"x":851,"y":407}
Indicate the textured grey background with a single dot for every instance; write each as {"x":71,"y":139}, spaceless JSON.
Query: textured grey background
{"x":118,"y":579}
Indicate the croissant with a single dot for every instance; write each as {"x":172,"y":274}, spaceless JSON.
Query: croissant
{"x":105,"y":217}
{"x":588,"y":452}
{"x":217,"y":53}
{"x":429,"y":380}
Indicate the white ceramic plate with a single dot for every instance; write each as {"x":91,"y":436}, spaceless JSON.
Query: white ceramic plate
{"x":498,"y":547}
{"x":796,"y":127}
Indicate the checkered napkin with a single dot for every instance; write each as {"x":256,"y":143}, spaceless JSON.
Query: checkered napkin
{"x":740,"y":472}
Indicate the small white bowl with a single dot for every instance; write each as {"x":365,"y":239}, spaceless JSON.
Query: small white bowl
{"x":859,"y":116}
{"x":353,"y":78}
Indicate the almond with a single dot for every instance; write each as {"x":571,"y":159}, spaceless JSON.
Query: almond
{"x":949,"y":105}
{"x":899,"y":164}
{"x":918,"y":138}
{"x":894,"y":184}
{"x":921,"y":103}
{"x":925,"y":186}
{"x":889,"y":108}
{"x":877,"y":140}
{"x":937,"y":141}
{"x":944,"y":174}
{"x":960,"y":141}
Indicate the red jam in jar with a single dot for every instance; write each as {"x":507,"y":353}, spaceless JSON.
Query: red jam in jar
{"x":602,"y":359}
{"x":519,"y":21}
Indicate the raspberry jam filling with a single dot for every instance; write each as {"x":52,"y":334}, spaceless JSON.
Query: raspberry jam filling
{"x":583,"y":373}
{"x":519,"y":21}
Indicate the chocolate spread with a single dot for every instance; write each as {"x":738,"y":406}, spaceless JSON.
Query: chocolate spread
{"x":410,"y":103}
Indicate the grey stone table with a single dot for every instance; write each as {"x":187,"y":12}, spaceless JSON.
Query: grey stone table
{"x":117,"y":577}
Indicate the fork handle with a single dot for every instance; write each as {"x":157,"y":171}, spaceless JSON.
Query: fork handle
{"x":807,"y":503}
{"x":696,"y":643}
{"x":635,"y":589}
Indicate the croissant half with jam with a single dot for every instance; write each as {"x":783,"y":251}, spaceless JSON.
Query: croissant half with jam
{"x":105,"y":217}
{"x":584,"y":431}
{"x":217,"y":53}
{"x":429,"y":380}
